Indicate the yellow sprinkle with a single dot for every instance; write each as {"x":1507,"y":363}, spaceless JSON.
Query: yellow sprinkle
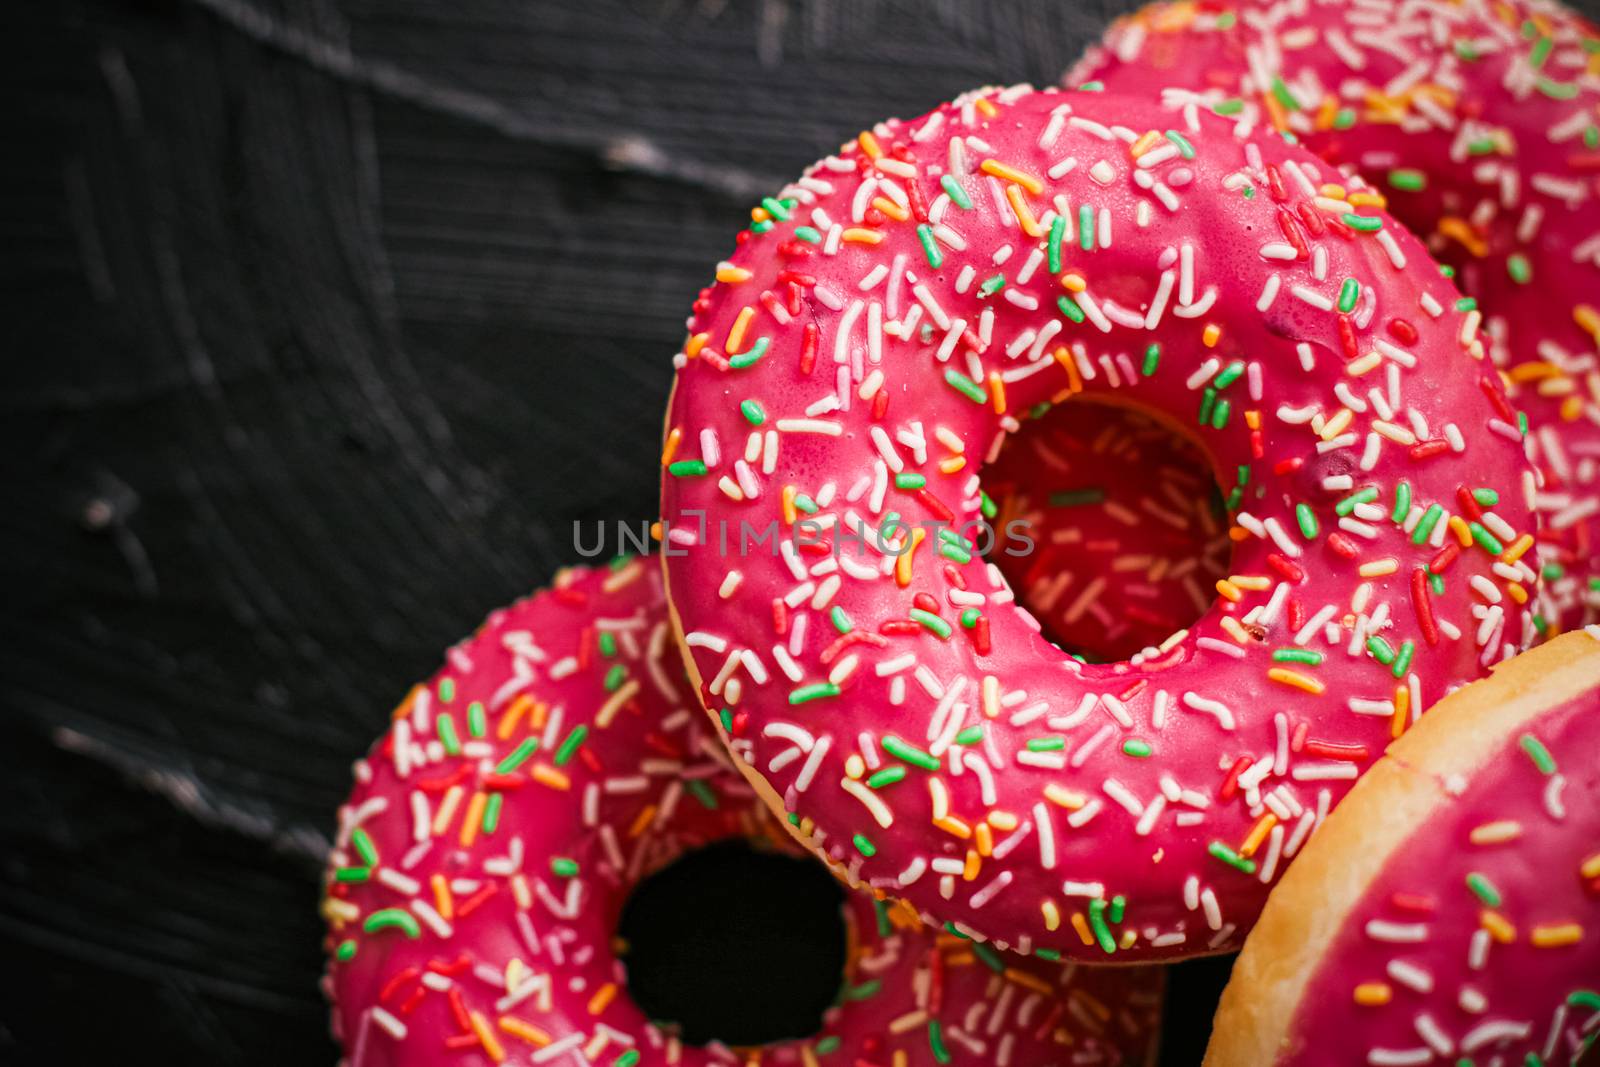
{"x":693,"y":346}
{"x":1373,"y":994}
{"x":1028,"y":981}
{"x":1296,"y":680}
{"x":602,"y":998}
{"x":1369,"y":199}
{"x":1463,"y":532}
{"x":902,"y":562}
{"x":1588,"y":319}
{"x":983,"y":837}
{"x":491,"y":1044}
{"x":614,"y":702}
{"x":969,"y":873}
{"x":1556,"y":935}
{"x":735,"y":341}
{"x":474,"y":817}
{"x":890,"y":208}
{"x":1357,"y":367}
{"x":1501,"y":831}
{"x":545,"y":774}
{"x":869,"y":144}
{"x":1211,"y":335}
{"x":443,"y":902}
{"x":1499,"y":928}
{"x":1004,"y":821}
{"x":727,"y":272}
{"x":1229,"y":590}
{"x":1073,"y":282}
{"x":991,"y":696}
{"x":447,"y":810}
{"x":857,"y":235}
{"x":1025,"y":219}
{"x":1517,"y":548}
{"x":1378,"y":568}
{"x":1336,"y":425}
{"x":1591,"y":867}
{"x":1518,"y":593}
{"x":787,"y":503}
{"x":986,"y":106}
{"x":525,"y":1030}
{"x":1052,"y":915}
{"x":1060,"y":795}
{"x":1150,"y":139}
{"x":952,"y":464}
{"x":1012,"y":174}
{"x":1231,"y":626}
{"x":1256,"y":583}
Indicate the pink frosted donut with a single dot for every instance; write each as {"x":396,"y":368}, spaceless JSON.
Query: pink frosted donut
{"x":1480,"y":124}
{"x":865,"y":350}
{"x":1449,"y":910}
{"x":496,"y":830}
{"x":1117,"y":562}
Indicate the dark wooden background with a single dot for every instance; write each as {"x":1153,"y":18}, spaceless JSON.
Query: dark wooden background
{"x":324,"y":319}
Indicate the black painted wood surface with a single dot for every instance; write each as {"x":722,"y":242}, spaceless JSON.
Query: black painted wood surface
{"x":325,"y":320}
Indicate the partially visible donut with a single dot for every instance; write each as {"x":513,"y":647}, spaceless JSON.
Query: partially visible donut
{"x":1479,"y":124}
{"x":555,"y":760}
{"x":873,"y":338}
{"x":1126,"y":534}
{"x":1449,"y":909}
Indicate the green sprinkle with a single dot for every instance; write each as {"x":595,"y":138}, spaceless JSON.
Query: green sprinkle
{"x":1306,"y":520}
{"x":446,"y":727}
{"x":887,"y":776}
{"x":957,"y":194}
{"x":1519,"y":268}
{"x":1402,"y":662}
{"x":751,"y":356}
{"x":909,"y":480}
{"x":628,"y":1058}
{"x":1228,"y":107}
{"x":1072,"y":498}
{"x":346,"y":951}
{"x":1058,"y":228}
{"x":809,"y":235}
{"x":1219,"y":414}
{"x":991,"y":959}
{"x":1349,"y":503}
{"x":1070,"y":308}
{"x":1097,"y":923}
{"x":447,"y":690}
{"x":829,"y":1044}
{"x":1361,"y":223}
{"x":1284,"y":96}
{"x":930,"y":622}
{"x":608,"y":644}
{"x":1228,"y":375}
{"x":726,"y":715}
{"x":775,"y":208}
{"x":1486,"y":497}
{"x":1185,"y":149}
{"x":966,"y":386}
{"x":1483,"y":889}
{"x":1349,"y":293}
{"x":935,"y":1033}
{"x":1136,"y":748}
{"x":1538,"y":753}
{"x":864,"y":991}
{"x":1402,"y":502}
{"x":702,"y":792}
{"x":1381,"y":650}
{"x":955,"y":552}
{"x":1086,"y":227}
{"x":1344,"y":118}
{"x":971,"y":735}
{"x":1208,"y":400}
{"x":477,"y":719}
{"x":1552,"y":572}
{"x":570,"y":746}
{"x":1409,"y":180}
{"x":352,"y":874}
{"x":1092,"y":87}
{"x":1436,"y":583}
{"x":1152,"y":360}
{"x":491,"y":811}
{"x":562,"y":867}
{"x":930,"y":247}
{"x":909,"y":753}
{"x":1297,"y":655}
{"x":1119,"y":904}
{"x":863,"y":846}
{"x":1430,"y":519}
{"x":986,"y":505}
{"x":615,"y":677}
{"x":992,"y":285}
{"x":1047,"y":954}
{"x":362,"y":842}
{"x":1047,"y":744}
{"x":1557,"y":90}
{"x":814,"y":691}
{"x":970,"y":617}
{"x":1231,"y":858}
{"x":392,"y":918}
{"x":752,"y":412}
{"x":1487,"y":540}
{"x":687,"y":468}
{"x":519,"y":755}
{"x":840,"y":620}
{"x":885,"y":928}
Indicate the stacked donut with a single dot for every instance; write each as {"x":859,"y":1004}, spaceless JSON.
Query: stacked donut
{"x":1067,"y":498}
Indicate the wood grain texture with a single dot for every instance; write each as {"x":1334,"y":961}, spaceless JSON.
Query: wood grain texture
{"x":326,"y":319}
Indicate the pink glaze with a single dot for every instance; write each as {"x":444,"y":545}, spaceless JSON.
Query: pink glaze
{"x":1478,"y":121}
{"x":1118,"y":562}
{"x":1093,"y":809}
{"x":1480,"y":938}
{"x":475,"y":942}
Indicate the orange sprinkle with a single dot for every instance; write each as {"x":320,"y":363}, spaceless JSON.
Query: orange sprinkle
{"x":443,"y":902}
{"x":1459,"y":229}
{"x":1258,"y":833}
{"x":951,"y":464}
{"x":602,"y":998}
{"x":954,"y":826}
{"x":402,"y":709}
{"x":491,"y":1044}
{"x":1150,"y":139}
{"x":1073,"y":282}
{"x":642,"y":820}
{"x":1229,"y":590}
{"x":1028,"y":981}
{"x":969,"y":873}
{"x":1402,"y":711}
{"x":1591,"y":867}
{"x":525,"y":1030}
{"x":1252,"y":419}
{"x":545,"y":774}
{"x":890,"y":208}
{"x":693,"y":346}
{"x":1498,"y":926}
{"x":1517,"y":548}
{"x":983,"y":837}
{"x":735,"y":342}
{"x":1463,"y":532}
{"x":1025,"y":219}
{"x":1373,"y":994}
{"x":902,"y":562}
{"x":1080,"y":924}
{"x":997,"y":392}
{"x":1070,"y":365}
{"x":986,"y":106}
{"x":869,"y":144}
{"x":513,"y":715}
{"x":787,"y":503}
{"x":670,"y":448}
{"x":1572,"y":406}
{"x":1518,"y":593}
{"x":474,"y":817}
{"x":732,"y":275}
{"x":1556,"y":935}
{"x":1588,"y":319}
{"x":1012,"y":174}
{"x":857,"y":235}
{"x":1211,"y":335}
{"x":1297,"y":680}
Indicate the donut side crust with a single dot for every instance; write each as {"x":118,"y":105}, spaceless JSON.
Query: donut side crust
{"x":1305,"y":912}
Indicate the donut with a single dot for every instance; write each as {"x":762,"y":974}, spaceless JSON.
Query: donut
{"x":870,"y":343}
{"x":497,"y":828}
{"x":1449,"y":910}
{"x":1116,"y":564}
{"x":1479,"y":123}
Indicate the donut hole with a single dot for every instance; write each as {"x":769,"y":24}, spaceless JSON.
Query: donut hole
{"x":735,"y":945}
{"x":1127,"y":524}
